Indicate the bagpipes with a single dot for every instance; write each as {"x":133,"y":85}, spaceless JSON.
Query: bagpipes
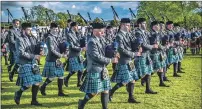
{"x":83,"y":39}
{"x":111,"y":50}
{"x":136,"y":44}
{"x":133,"y":17}
{"x":116,"y":19}
{"x":70,"y":17}
{"x":9,"y":16}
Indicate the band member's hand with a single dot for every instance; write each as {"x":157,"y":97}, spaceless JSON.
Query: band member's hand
{"x":168,"y":45}
{"x":138,"y":53}
{"x":155,"y":46}
{"x":140,"y":50}
{"x":114,"y":60}
{"x":117,"y":55}
{"x":37,"y":57}
{"x":84,"y":49}
{"x":171,"y":44}
{"x":64,"y":56}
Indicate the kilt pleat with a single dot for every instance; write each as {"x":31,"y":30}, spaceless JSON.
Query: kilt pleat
{"x":141,"y":66}
{"x":157,"y":63}
{"x":122,"y":74}
{"x":26,"y":76}
{"x":50,"y":70}
{"x":93,"y":83}
{"x":75,"y":65}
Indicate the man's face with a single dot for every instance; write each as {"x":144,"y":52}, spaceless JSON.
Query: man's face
{"x":143,"y":25}
{"x":75,"y":28}
{"x":162,"y":26}
{"x":156,"y":27}
{"x":3,"y":30}
{"x":28,"y":31}
{"x":125,"y":26}
{"x":109,"y":31}
{"x":16,"y":24}
{"x":170,"y":26}
{"x":99,"y":32}
{"x":54,"y":30}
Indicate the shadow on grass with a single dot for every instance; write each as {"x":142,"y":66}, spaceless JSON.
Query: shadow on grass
{"x":52,"y":95}
{"x":47,"y":105}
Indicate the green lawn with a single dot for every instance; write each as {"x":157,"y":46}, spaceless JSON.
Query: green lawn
{"x":184,"y":93}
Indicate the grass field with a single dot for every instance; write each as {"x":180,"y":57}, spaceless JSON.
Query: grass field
{"x":183,"y":93}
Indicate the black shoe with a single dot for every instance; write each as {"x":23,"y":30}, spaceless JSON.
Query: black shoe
{"x":10,"y":77}
{"x":180,"y":71}
{"x":176,"y":75}
{"x":80,"y":105}
{"x":36,"y":103}
{"x":165,"y":79}
{"x":17,"y":97}
{"x":150,"y":92}
{"x":133,"y":101}
{"x":163,"y":85}
{"x":66,"y":82}
{"x":62,"y":94}
{"x":42,"y":90}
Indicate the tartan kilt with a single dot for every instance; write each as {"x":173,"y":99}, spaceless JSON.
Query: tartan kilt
{"x":74,"y":65}
{"x":26,"y":76}
{"x":150,"y":68}
{"x":176,"y":58}
{"x":157,"y":64}
{"x":141,"y":66}
{"x":50,"y":70}
{"x":164,"y":62}
{"x":135,"y":75}
{"x":122,"y":74}
{"x":170,"y":56}
{"x":93,"y":83}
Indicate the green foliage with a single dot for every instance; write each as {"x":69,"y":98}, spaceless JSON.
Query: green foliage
{"x":113,"y":23}
{"x":177,"y":11}
{"x":97,"y":20}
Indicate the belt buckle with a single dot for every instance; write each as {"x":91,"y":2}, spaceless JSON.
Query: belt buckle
{"x":132,"y":65}
{"x":58,"y":63}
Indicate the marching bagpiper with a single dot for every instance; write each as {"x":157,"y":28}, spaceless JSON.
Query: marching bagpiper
{"x":179,"y":44}
{"x":29,"y":72}
{"x":97,"y":79}
{"x":164,"y":42}
{"x":172,"y":52}
{"x":53,"y":66}
{"x":75,"y":60}
{"x":157,"y":55}
{"x":124,"y":73}
{"x":144,"y":62}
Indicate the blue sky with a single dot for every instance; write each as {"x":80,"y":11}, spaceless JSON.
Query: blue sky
{"x":96,"y":9}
